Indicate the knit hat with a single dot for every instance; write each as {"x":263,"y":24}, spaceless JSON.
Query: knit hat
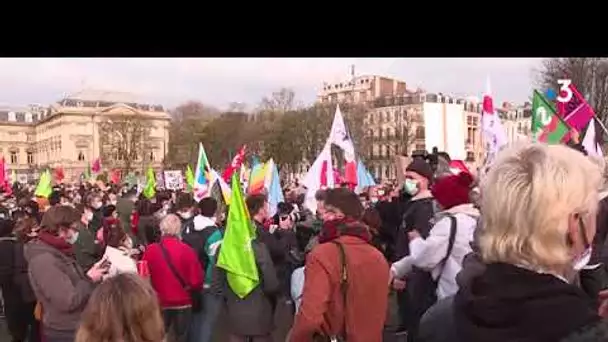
{"x":421,"y":167}
{"x":452,"y":190}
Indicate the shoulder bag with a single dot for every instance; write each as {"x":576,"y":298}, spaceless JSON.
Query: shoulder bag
{"x":195,"y":295}
{"x":343,"y":289}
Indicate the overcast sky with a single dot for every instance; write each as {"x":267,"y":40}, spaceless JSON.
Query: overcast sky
{"x":219,"y":81}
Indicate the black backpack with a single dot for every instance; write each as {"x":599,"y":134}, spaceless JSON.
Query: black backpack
{"x":197,"y":239}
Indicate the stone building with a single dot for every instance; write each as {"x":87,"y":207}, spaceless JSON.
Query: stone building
{"x":79,"y":129}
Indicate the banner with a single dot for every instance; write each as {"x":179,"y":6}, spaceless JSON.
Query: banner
{"x":174,"y":180}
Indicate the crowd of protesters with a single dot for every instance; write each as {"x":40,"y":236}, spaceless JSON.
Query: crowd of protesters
{"x":515,"y":253}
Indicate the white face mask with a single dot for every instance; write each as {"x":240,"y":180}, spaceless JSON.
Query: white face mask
{"x":113,"y":202}
{"x":88,"y":216}
{"x":73,"y":238}
{"x":96,"y":205}
{"x":411,"y":187}
{"x":582,"y":261}
{"x":186,"y":215}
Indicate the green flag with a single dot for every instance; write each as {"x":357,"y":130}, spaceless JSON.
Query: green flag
{"x":189,"y":178}
{"x":44,"y":188}
{"x":547,"y":126}
{"x":150,"y":189}
{"x":87,"y":173}
{"x":236,"y":254}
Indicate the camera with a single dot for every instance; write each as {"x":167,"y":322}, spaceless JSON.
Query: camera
{"x":295,"y":217}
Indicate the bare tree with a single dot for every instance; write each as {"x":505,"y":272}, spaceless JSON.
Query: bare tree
{"x":405,"y":132}
{"x":589,"y":75}
{"x":186,"y":130}
{"x":280,"y":102}
{"x":125,"y":140}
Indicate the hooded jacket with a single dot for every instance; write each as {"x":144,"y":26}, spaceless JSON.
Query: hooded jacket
{"x":428,"y":253}
{"x":509,"y":303}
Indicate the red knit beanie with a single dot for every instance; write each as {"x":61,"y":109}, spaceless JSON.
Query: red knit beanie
{"x":452,"y":190}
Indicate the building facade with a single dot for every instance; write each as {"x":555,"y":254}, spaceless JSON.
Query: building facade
{"x":75,"y":131}
{"x":361,"y":89}
{"x":418,"y":122}
{"x":517,"y":122}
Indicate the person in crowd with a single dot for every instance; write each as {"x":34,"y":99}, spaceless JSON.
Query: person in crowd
{"x":280,"y":242}
{"x":19,"y":299}
{"x":251,"y":319}
{"x":364,"y":199}
{"x":442,"y":252}
{"x":87,"y":251}
{"x":125,"y":206}
{"x":297,"y":280}
{"x":417,"y":215}
{"x":55,"y":198}
{"x":176,"y":275}
{"x":205,"y":238}
{"x":344,"y":294}
{"x":94,"y":202}
{"x":122,"y":308}
{"x":59,"y":283}
{"x":184,"y":208}
{"x":148,"y":231}
{"x":372,"y":219}
{"x":538,"y":212}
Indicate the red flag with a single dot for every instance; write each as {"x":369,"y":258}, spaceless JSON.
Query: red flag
{"x":350,"y":174}
{"x":324,"y":174}
{"x":458,"y":166}
{"x":96,"y":166}
{"x":58,"y":174}
{"x":115,"y":176}
{"x":236,"y":163}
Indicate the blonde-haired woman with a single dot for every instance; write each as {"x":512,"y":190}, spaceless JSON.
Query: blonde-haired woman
{"x":122,"y":308}
{"x":538,"y":210}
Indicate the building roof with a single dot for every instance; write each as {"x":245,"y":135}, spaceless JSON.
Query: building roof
{"x":104,"y":95}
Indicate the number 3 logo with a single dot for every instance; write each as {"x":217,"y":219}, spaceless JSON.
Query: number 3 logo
{"x":565,"y":87}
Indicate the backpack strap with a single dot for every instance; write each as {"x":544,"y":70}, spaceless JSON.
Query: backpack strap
{"x":451,"y":241}
{"x":343,"y":282}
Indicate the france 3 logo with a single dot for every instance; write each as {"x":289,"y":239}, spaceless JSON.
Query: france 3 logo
{"x":565,"y":92}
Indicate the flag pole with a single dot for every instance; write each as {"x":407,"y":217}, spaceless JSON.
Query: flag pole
{"x":601,"y":124}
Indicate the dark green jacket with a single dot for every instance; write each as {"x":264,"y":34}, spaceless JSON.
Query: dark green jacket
{"x":86,"y":250}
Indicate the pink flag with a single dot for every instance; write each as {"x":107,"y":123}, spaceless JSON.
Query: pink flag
{"x":494,"y":133}
{"x":96,"y":166}
{"x":577,"y":112}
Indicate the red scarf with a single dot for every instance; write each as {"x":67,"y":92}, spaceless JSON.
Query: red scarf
{"x":57,"y":243}
{"x":333,"y":229}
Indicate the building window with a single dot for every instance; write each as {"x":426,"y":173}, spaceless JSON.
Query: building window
{"x":80,"y":156}
{"x":30,"y":158}
{"x":470,"y":156}
{"x":151,"y":156}
{"x":13,"y":157}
